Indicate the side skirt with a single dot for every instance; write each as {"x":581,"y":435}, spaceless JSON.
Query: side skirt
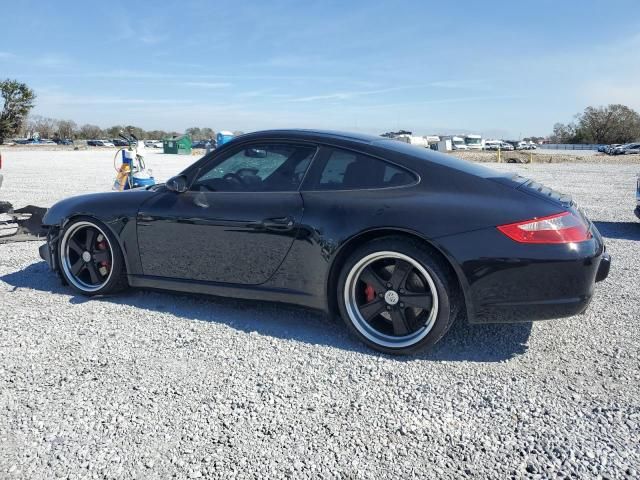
{"x":247,"y":292}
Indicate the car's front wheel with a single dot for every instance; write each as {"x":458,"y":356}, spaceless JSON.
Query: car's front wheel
{"x":91,"y":260}
{"x":397,"y":296}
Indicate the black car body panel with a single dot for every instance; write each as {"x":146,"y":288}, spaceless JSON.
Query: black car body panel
{"x":288,"y":246}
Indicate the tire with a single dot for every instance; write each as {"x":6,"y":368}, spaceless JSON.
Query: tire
{"x":408,"y":320}
{"x":90,"y":258}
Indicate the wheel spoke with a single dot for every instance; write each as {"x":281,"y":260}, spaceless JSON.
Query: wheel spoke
{"x":75,"y":246}
{"x":93,"y":273}
{"x":371,"y":309}
{"x":90,"y":240}
{"x":418,"y":300}
{"x":399,"y":321}
{"x":77,"y":267}
{"x":370,"y":277}
{"x":401,"y":271}
{"x":102,"y":256}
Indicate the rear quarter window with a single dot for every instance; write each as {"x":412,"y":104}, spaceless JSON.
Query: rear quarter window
{"x":346,"y":170}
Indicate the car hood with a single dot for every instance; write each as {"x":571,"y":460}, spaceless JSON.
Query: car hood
{"x":105,"y":206}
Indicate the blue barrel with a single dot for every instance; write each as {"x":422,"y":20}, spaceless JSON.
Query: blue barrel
{"x":223,"y":137}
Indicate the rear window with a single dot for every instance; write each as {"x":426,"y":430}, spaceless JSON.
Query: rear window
{"x":345,"y":170}
{"x":439,"y":158}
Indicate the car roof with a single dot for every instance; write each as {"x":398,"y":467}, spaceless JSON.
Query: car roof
{"x":311,"y":133}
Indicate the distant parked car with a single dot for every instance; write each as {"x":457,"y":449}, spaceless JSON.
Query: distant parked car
{"x":118,"y":142}
{"x":64,"y":141}
{"x":610,"y":148}
{"x":158,"y":144}
{"x":203,"y":144}
{"x":627,"y":149}
{"x":100,"y":143}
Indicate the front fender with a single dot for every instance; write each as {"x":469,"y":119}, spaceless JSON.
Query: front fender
{"x":106,"y":206}
{"x":117,"y":210}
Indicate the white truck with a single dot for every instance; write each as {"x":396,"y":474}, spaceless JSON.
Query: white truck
{"x":415,"y":140}
{"x":458,"y":143}
{"x":473,"y":142}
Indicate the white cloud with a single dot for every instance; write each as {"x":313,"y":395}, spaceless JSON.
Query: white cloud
{"x":352,"y":94}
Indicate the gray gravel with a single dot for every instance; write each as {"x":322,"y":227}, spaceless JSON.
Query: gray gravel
{"x":155,"y":385}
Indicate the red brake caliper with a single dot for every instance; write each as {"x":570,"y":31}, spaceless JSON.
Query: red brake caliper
{"x":370,"y":293}
{"x":104,"y":265}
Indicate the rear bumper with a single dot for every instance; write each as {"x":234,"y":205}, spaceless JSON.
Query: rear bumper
{"x":513,"y":282}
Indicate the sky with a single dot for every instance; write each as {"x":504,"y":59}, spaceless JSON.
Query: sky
{"x":499,"y":68}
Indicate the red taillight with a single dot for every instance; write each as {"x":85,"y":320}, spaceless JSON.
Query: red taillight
{"x":560,"y":228}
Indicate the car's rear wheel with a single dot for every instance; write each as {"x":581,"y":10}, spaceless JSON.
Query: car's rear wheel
{"x":90,"y":258}
{"x":396,"y":296}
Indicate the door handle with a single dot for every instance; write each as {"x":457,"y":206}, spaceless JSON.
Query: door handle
{"x":281,"y":224}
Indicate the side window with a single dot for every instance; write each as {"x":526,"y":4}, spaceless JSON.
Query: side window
{"x":346,"y":170}
{"x":258,"y":168}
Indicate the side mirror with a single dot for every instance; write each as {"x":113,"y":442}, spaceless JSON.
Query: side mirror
{"x":177,"y":184}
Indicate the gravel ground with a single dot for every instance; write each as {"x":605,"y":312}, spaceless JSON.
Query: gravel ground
{"x":158,"y":385}
{"x":548,"y":156}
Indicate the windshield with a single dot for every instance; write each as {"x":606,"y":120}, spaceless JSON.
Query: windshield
{"x":473,"y":141}
{"x":458,"y":142}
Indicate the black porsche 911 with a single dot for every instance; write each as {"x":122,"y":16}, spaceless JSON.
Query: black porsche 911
{"x":400,"y":240}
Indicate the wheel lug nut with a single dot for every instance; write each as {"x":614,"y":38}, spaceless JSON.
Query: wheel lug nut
{"x":401,"y":305}
{"x":388,"y":285}
{"x":402,"y":290}
{"x":388,"y":307}
{"x":381,"y":295}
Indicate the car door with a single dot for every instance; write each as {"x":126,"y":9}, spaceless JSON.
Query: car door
{"x":237,"y":221}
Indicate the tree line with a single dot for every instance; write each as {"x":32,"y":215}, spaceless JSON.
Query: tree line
{"x":603,"y":125}
{"x":54,"y":128}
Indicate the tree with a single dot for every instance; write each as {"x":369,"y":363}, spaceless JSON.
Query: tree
{"x":113,"y":132}
{"x":40,"y":126}
{"x":563,"y":133}
{"x":18,"y":100}
{"x":66,"y":128}
{"x":89,"y":132}
{"x":156,"y":134}
{"x":207,"y":133}
{"x":611,"y":124}
{"x":138,"y":132}
{"x":194,"y":132}
{"x":396,"y":134}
